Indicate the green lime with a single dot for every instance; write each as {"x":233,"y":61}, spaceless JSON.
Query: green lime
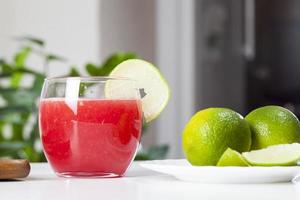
{"x":276,"y":155}
{"x":232,"y":158}
{"x":148,"y":78}
{"x":211,"y":131}
{"x":271,"y":125}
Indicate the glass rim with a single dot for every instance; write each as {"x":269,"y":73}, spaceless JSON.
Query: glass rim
{"x":88,"y":78}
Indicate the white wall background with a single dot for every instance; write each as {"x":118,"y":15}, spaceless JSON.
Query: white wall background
{"x":175,"y":49}
{"x":70,"y":27}
{"x":128,"y":25}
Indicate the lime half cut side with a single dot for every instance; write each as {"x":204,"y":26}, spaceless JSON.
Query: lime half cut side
{"x":276,"y":155}
{"x":232,"y":158}
{"x":148,"y":79}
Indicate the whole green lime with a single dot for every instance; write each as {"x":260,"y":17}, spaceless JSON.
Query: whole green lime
{"x":271,"y":125}
{"x":211,"y":131}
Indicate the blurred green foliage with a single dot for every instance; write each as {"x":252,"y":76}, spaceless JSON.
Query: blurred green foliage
{"x":20,"y":88}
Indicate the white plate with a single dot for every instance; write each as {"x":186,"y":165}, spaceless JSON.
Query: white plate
{"x":182,"y":170}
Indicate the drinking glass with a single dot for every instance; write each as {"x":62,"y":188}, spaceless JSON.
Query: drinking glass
{"x":90,"y":126}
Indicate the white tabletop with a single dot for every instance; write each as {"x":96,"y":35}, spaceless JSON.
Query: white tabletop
{"x":139,"y":183}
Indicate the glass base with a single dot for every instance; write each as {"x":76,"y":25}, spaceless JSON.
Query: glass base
{"x":87,"y":175}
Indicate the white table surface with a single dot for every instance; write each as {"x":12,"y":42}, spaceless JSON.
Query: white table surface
{"x":139,"y":183}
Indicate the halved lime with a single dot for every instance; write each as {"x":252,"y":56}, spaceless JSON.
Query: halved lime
{"x":232,"y":158}
{"x":149,"y":79}
{"x":276,"y":155}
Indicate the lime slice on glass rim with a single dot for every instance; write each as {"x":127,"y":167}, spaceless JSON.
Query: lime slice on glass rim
{"x":232,"y":158}
{"x":276,"y":155}
{"x":148,"y":79}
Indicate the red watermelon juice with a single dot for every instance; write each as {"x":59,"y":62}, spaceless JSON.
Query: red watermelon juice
{"x":90,"y":137}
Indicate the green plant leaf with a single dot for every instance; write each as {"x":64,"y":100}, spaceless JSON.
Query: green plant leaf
{"x":114,"y":60}
{"x":37,"y":85}
{"x":5,"y":67}
{"x":52,"y":57}
{"x":33,"y":155}
{"x":9,"y":145}
{"x":153,"y":153}
{"x":7,"y":90}
{"x":29,"y":71}
{"x":5,"y":75}
{"x":34,"y":133}
{"x":12,"y":118}
{"x":21,"y":57}
{"x":145,"y":126}
{"x":10,"y":72}
{"x":1,"y":131}
{"x":142,"y":156}
{"x":16,"y":79}
{"x":11,"y":149}
{"x":9,"y":109}
{"x":17,"y":130}
{"x":23,"y":98}
{"x":74,"y":71}
{"x":109,"y":64}
{"x":32,"y":40}
{"x":92,"y":69}
{"x":158,"y":152}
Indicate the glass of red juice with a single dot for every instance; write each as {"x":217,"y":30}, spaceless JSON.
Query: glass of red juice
{"x":87,"y":131}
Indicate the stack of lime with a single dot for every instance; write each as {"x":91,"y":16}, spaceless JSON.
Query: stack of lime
{"x":222,"y":137}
